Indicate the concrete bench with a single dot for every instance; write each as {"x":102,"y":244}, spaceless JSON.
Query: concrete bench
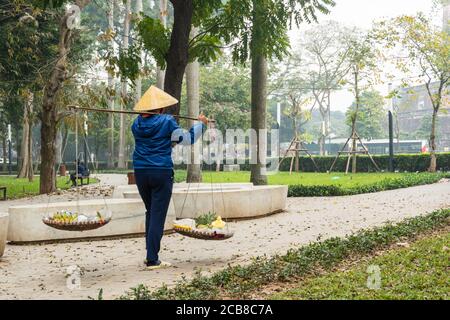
{"x":3,"y":231}
{"x":128,"y":217}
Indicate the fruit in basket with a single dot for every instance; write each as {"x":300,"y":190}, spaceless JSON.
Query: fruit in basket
{"x":64,"y":217}
{"x":218,"y":223}
{"x":205,"y":219}
{"x":184,"y":224}
{"x":99,"y":217}
{"x":82,"y":218}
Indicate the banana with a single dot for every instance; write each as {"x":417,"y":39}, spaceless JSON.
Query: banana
{"x":218,"y":223}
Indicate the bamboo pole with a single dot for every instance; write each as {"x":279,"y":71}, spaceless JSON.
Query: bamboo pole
{"x":78,"y":108}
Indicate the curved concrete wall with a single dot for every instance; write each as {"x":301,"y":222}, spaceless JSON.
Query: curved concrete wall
{"x":120,"y":190}
{"x":233,"y":203}
{"x":128,"y":217}
{"x":3,"y":231}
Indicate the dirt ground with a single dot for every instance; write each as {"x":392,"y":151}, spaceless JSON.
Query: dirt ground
{"x":41,"y":271}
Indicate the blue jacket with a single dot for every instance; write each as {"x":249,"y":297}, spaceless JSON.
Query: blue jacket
{"x":153,"y":140}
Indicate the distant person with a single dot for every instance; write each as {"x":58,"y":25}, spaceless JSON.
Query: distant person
{"x":83,"y":171}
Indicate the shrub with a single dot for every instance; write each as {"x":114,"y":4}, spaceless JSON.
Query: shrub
{"x":239,"y":281}
{"x":405,"y":181}
{"x":402,"y":162}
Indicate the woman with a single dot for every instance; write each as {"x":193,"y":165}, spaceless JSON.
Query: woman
{"x":152,"y":161}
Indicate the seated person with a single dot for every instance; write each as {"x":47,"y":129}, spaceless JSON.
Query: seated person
{"x":83,"y":171}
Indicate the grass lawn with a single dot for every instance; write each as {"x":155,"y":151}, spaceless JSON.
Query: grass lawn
{"x":416,"y":272}
{"x":19,"y":188}
{"x":304,"y":178}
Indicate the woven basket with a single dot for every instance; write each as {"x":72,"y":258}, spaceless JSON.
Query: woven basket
{"x":204,"y":234}
{"x":76,"y":226}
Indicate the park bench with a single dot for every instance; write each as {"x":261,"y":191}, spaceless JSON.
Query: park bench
{"x":83,"y":176}
{"x":3,"y":188}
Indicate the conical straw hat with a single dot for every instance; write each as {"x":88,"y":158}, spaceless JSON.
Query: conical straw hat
{"x":154,"y":98}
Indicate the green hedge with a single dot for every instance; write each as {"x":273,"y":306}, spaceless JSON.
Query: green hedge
{"x":402,"y":162}
{"x":241,"y":281}
{"x":408,"y":180}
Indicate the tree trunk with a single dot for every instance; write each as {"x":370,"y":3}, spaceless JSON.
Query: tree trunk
{"x":30,"y":173}
{"x":111,"y":89}
{"x":296,"y":145}
{"x":138,"y":92}
{"x":433,"y":164}
{"x":258,"y":118}
{"x":327,"y":123}
{"x":354,"y":123}
{"x":193,"y":105}
{"x":436,"y":101}
{"x":322,"y":138}
{"x":163,"y":18}
{"x":26,"y":162}
{"x":178,"y":55}
{"x":49,"y":114}
{"x":122,"y":163}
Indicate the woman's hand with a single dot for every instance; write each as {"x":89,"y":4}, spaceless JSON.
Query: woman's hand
{"x":203,"y":118}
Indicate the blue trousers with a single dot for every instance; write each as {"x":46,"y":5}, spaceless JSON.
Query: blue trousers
{"x":155,"y":188}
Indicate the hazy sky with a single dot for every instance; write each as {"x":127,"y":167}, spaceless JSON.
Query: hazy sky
{"x":361,"y":13}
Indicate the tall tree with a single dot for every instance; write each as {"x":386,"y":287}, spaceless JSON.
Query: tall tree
{"x":50,"y":116}
{"x":111,"y":85}
{"x":28,"y":38}
{"x":260,"y":31}
{"x":363,"y":60}
{"x":138,"y":86}
{"x":163,"y":19}
{"x":122,"y":159}
{"x":193,"y":108}
{"x":26,"y":154}
{"x":428,"y":50}
{"x":173,"y":48}
{"x":326,"y":55}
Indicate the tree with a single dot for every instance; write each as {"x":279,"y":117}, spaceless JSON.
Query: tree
{"x":122,"y":163}
{"x":428,"y":50}
{"x":363,"y":60}
{"x":163,"y":19}
{"x":50,"y":115}
{"x":28,"y":37}
{"x":111,"y":85}
{"x":174,"y":49}
{"x":225,"y":93}
{"x":193,"y":108}
{"x":26,"y":159}
{"x":326,"y":54}
{"x":370,"y":117}
{"x":260,"y":29}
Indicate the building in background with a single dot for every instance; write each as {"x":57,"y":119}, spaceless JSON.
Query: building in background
{"x":414,"y":108}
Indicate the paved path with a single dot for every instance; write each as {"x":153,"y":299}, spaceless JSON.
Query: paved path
{"x":38,"y":271}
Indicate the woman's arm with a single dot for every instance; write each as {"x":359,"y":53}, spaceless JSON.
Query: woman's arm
{"x":188,"y":137}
